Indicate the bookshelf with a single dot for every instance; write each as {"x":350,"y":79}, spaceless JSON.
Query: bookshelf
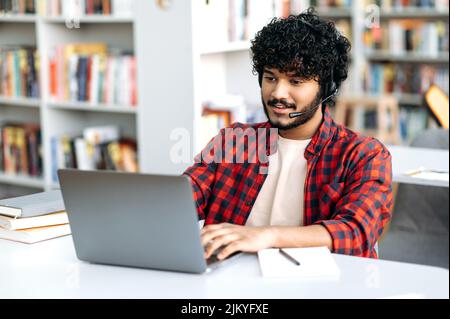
{"x":20,"y":101}
{"x":87,"y":107}
{"x":226,"y":68}
{"x":63,"y":117}
{"x":23,"y":181}
{"x":414,"y":13}
{"x":18,"y":18}
{"x":91,"y":19}
{"x":169,"y":98}
{"x":439,"y":58}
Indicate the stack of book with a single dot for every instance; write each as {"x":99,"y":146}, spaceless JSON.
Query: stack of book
{"x":90,"y":73}
{"x":20,"y":149}
{"x":17,"y":7}
{"x":19,"y":72}
{"x":100,"y":147}
{"x":34,"y":218}
{"x":70,"y":8}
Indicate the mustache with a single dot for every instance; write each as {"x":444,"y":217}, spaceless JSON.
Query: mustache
{"x":275,"y":102}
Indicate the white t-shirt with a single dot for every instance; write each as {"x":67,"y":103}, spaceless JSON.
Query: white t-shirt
{"x":280,"y":201}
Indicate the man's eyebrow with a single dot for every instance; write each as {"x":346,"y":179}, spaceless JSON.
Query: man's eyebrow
{"x":294,"y":75}
{"x":291,"y":75}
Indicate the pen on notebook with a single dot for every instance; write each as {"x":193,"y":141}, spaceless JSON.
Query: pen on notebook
{"x":289,"y":257}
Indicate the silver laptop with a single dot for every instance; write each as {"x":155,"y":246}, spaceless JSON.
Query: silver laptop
{"x":135,"y":220}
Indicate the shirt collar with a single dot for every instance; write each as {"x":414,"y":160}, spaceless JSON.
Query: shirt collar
{"x":324,"y":133}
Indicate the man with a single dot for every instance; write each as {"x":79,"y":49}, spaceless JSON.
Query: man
{"x":325,"y":185}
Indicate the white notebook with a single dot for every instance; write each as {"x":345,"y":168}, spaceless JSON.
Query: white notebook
{"x":314,"y":262}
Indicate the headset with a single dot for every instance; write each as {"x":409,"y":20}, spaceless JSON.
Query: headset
{"x":330,"y":89}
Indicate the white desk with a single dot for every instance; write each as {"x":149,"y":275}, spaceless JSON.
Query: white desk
{"x":406,"y":159}
{"x":51,"y":270}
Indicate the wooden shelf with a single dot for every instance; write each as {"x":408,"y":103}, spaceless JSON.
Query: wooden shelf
{"x":19,"y":180}
{"x":227,"y":48}
{"x":410,"y":99}
{"x":91,"y":19}
{"x":403,"y":98}
{"x":85,"y":106}
{"x":441,"y":58}
{"x":338,"y":13}
{"x":20,"y":101}
{"x":18,"y":18}
{"x":415,"y":13}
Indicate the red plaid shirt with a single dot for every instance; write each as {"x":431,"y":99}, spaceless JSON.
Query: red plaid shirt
{"x":348,"y":188}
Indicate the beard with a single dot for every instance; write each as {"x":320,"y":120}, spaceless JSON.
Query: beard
{"x":308,"y":113}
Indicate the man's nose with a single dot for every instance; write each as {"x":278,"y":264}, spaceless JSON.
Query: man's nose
{"x":281,"y":91}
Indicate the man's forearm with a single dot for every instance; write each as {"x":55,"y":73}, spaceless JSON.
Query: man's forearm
{"x":296,"y":237}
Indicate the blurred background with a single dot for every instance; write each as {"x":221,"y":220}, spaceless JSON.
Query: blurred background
{"x":102,"y":84}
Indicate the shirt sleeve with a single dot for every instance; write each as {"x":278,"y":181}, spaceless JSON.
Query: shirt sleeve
{"x":365,"y":208}
{"x":203,"y":175}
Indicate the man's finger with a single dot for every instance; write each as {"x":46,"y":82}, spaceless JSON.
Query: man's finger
{"x":213,"y":234}
{"x":219,"y":242}
{"x":230,"y":249}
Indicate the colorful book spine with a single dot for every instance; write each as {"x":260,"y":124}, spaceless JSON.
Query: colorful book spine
{"x":19,"y":73}
{"x":17,"y":7}
{"x":85,"y":7}
{"x":95,"y":148}
{"x":89,"y":74}
{"x":380,"y":78}
{"x":21,"y":149}
{"x":401,"y":36}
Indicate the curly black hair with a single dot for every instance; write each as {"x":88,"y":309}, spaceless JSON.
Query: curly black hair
{"x":305,"y":44}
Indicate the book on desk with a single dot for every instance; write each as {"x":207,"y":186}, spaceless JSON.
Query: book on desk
{"x":34,"y":218}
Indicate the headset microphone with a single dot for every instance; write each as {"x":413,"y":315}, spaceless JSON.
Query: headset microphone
{"x":297,"y":114}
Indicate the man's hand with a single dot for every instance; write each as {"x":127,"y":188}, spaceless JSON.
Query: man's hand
{"x":235,"y":238}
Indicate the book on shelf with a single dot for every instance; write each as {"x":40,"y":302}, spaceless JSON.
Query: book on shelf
{"x":19,"y":72}
{"x":412,"y":122}
{"x":390,"y":5}
{"x":10,"y":223}
{"x":381,"y":78}
{"x":32,"y":205}
{"x":224,"y":21}
{"x":17,"y":7}
{"x":35,"y":235}
{"x":298,"y":6}
{"x":20,"y":152}
{"x":78,"y":8}
{"x":421,"y":37}
{"x":219,"y":112}
{"x":97,"y":148}
{"x":89,"y":73}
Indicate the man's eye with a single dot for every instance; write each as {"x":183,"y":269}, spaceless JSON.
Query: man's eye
{"x":269,"y":78}
{"x":296,"y":82}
